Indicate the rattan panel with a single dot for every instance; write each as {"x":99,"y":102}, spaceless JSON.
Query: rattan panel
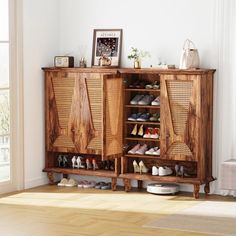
{"x":178,"y":148}
{"x":179,"y":94}
{"x":64,"y":141}
{"x":95,"y":92}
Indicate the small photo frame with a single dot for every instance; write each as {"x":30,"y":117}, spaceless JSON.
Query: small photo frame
{"x":107,"y":47}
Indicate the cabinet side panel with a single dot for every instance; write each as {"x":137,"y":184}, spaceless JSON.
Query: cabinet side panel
{"x":52,"y":118}
{"x":205,"y":161}
{"x":113,"y":116}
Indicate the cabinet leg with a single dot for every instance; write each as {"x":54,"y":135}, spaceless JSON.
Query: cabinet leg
{"x":127,"y":185}
{"x":113,"y":184}
{"x":140,"y":184}
{"x":207,"y":188}
{"x":196,"y":191}
{"x":50,"y":177}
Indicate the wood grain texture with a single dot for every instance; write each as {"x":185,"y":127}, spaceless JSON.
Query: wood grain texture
{"x":180,"y":104}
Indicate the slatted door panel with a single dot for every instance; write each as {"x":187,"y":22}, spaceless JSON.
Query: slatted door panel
{"x":59,"y":97}
{"x":180,"y":117}
{"x":94,"y":84}
{"x":113,"y":116}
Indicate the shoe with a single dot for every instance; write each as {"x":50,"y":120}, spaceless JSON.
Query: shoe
{"x":73,"y":160}
{"x":140,"y":131}
{"x":150,"y":151}
{"x":71,"y":183}
{"x":134,"y":84}
{"x":106,"y":186}
{"x":155,"y":117}
{"x":146,"y":100}
{"x":63,"y":182}
{"x":136,"y":99}
{"x":143,"y":168}
{"x":157,"y":151}
{"x":88,"y":164}
{"x":89,"y":184}
{"x":155,"y":170}
{"x":164,"y":170}
{"x":136,"y":167}
{"x":156,"y":101}
{"x":81,"y":183}
{"x":135,"y":130}
{"x":134,"y":117}
{"x":79,"y":163}
{"x":148,"y":133}
{"x":99,"y":185}
{"x":111,"y":165}
{"x":154,"y":85}
{"x":60,"y":161}
{"x":134,"y":149}
{"x":143,"y":117}
{"x":155,"y":133}
{"x":142,"y":149}
{"x":65,"y":161}
{"x":94,"y":163}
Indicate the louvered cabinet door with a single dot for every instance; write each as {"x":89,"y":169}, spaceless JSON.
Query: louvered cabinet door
{"x":113,"y":116}
{"x":74,"y":112}
{"x":180,"y":117}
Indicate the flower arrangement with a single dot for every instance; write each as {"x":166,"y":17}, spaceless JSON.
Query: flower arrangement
{"x":137,"y":55}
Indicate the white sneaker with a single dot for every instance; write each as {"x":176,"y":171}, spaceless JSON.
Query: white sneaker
{"x":155,"y":170}
{"x":164,"y":170}
{"x":156,"y":151}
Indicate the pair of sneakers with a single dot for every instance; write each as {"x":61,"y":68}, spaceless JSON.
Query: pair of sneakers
{"x":67,"y":182}
{"x":138,"y":149}
{"x":86,"y":184}
{"x":153,"y":151}
{"x":151,"y":133}
{"x":141,"y":99}
{"x":139,"y":117}
{"x":103,"y":185}
{"x":162,"y":170}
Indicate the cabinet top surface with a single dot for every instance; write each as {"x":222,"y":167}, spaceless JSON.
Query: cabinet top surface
{"x":128,"y":70}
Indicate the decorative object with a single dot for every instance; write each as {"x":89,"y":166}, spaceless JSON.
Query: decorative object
{"x":137,"y":55}
{"x":82,"y":63}
{"x":63,"y":61}
{"x":189,"y":57}
{"x":107,"y":47}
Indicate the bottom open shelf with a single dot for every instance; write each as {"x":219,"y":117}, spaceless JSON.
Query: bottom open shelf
{"x":101,"y":173}
{"x":170,"y":178}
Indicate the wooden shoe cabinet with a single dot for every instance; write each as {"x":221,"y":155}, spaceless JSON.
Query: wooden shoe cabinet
{"x":84,"y":110}
{"x":87,"y":114}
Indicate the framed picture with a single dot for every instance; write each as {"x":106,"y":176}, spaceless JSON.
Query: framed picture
{"x":106,"y":47}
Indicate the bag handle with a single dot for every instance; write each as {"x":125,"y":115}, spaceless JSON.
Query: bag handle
{"x":187,"y":43}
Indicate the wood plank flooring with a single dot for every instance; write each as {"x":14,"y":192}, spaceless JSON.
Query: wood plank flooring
{"x":59,"y":211}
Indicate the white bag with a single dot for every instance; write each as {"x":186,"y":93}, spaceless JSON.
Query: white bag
{"x":189,"y":58}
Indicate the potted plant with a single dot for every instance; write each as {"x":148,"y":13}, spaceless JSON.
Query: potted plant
{"x":137,"y":55}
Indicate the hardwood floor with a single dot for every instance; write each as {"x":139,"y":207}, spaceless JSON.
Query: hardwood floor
{"x":59,"y":211}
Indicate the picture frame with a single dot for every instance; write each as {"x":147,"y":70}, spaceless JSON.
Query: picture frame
{"x":107,"y":47}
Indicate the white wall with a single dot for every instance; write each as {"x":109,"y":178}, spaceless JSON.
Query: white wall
{"x":40,"y":42}
{"x":157,"y":26}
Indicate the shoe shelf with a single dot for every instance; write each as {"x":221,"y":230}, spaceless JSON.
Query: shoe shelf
{"x":76,"y":171}
{"x":142,"y":122}
{"x":142,"y":90}
{"x":168,"y":178}
{"x":142,"y":156}
{"x":142,"y":139}
{"x":141,"y":106}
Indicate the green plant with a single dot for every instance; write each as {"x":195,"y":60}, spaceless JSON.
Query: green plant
{"x":137,"y":55}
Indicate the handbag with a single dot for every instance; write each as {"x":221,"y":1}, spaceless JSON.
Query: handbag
{"x":189,"y":57}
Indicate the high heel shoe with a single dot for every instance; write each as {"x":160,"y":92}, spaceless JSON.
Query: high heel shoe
{"x":140,"y":131}
{"x":94,"y":163}
{"x":143,"y":168}
{"x":88,"y":164}
{"x":136,"y":167}
{"x":79,"y":163}
{"x":135,"y":130}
